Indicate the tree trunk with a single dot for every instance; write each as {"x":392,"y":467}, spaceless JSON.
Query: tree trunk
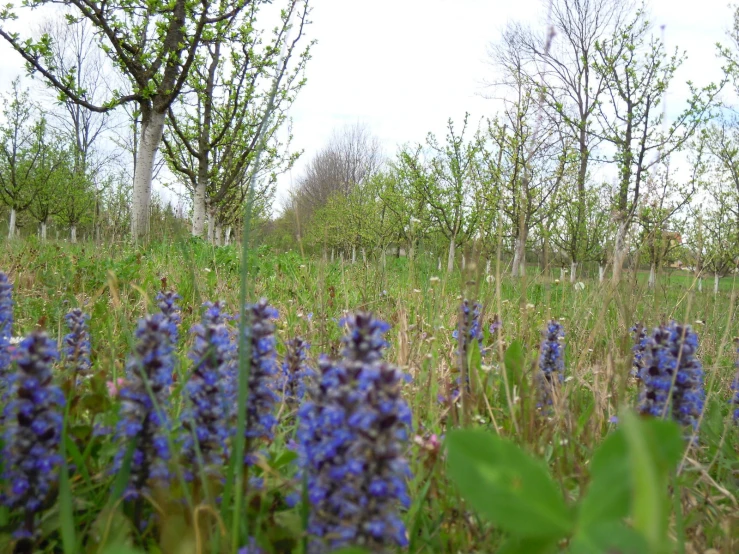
{"x":364,"y":255}
{"x":601,"y":273}
{"x":332,"y":255}
{"x":211,"y":225}
{"x":452,"y":252}
{"x":73,"y":234}
{"x":464,"y":262}
{"x":487,"y":267}
{"x":715,"y":283}
{"x":43,"y":231}
{"x":354,"y":254}
{"x":573,"y":272}
{"x":652,"y":275}
{"x":227,"y":240}
{"x":152,"y":126}
{"x":700,"y":284}
{"x":619,"y":252}
{"x":11,"y":224}
{"x":561,"y":273}
{"x":438,"y":263}
{"x":199,"y":208}
{"x":519,"y":258}
{"x":218,"y":234}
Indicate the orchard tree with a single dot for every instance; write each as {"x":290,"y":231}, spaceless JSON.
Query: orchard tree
{"x":154,"y":45}
{"x":637,"y":72}
{"x":219,"y":121}
{"x":24,"y":153}
{"x":562,"y":71}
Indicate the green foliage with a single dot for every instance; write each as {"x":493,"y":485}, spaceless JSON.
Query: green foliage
{"x":629,"y":475}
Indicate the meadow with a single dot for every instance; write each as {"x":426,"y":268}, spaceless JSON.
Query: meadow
{"x":491,"y":469}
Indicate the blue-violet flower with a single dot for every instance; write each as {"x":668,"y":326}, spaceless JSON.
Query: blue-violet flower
{"x":352,"y":434}
{"x":33,"y":429}
{"x":671,"y":375}
{"x":144,"y":398}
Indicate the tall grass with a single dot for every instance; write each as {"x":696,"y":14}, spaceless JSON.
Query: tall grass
{"x":117,"y":286}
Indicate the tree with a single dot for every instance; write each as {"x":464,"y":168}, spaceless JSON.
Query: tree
{"x":563,"y":73}
{"x":352,"y":156}
{"x":154,"y":45}
{"x":23,"y":153}
{"x":218,"y":123}
{"x":51,"y":178}
{"x":637,"y":72}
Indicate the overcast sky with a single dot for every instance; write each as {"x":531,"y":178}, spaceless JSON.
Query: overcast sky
{"x":403,"y":67}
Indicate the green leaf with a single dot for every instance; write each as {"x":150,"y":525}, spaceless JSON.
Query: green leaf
{"x":528,"y":545}
{"x":609,"y":493}
{"x":513,"y":362}
{"x":66,"y":507}
{"x":120,"y":549}
{"x":655,"y":447}
{"x":110,"y":533}
{"x":507,"y":485}
{"x":351,"y":550}
{"x":607,"y":538}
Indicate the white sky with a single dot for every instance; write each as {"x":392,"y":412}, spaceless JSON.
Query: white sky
{"x":403,"y":67}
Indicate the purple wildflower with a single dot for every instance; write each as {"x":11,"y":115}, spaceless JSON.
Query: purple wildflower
{"x":6,"y":331}
{"x":76,"y":348}
{"x":468,"y":327}
{"x":352,"y":434}
{"x":669,"y":357}
{"x":639,"y":332}
{"x":167,"y":302}
{"x":33,"y":429}
{"x":551,"y":363}
{"x":295,"y":370}
{"x":144,"y":398}
{"x":205,"y":420}
{"x":263,"y":375}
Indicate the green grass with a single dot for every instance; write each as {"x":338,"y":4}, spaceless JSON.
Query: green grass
{"x":117,"y":286}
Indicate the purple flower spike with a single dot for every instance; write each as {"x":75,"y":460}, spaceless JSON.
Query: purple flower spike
{"x":295,"y":371}
{"x":639,"y":332}
{"x":6,"y":331}
{"x":76,"y":348}
{"x":671,"y":375}
{"x":263,"y":376}
{"x":167,"y":302}
{"x":205,"y":421}
{"x":144,"y":399}
{"x":352,"y":434}
{"x":33,"y":429}
{"x":551,"y":363}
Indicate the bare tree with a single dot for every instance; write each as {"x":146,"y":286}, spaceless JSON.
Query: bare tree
{"x":352,"y":156}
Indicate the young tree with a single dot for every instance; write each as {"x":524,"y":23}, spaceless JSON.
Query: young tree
{"x":217,"y":124}
{"x":637,"y":72}
{"x":23,"y":153}
{"x":570,"y":89}
{"x":154,"y":45}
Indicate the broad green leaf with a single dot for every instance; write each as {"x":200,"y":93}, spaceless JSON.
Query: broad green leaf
{"x":609,"y":493}
{"x":654,"y":448}
{"x":507,"y":485}
{"x":120,"y":549}
{"x":607,"y":538}
{"x":513,"y":362}
{"x":517,"y":545}
{"x":111,"y":530}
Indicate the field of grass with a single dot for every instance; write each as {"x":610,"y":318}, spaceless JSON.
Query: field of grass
{"x":117,"y":286}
